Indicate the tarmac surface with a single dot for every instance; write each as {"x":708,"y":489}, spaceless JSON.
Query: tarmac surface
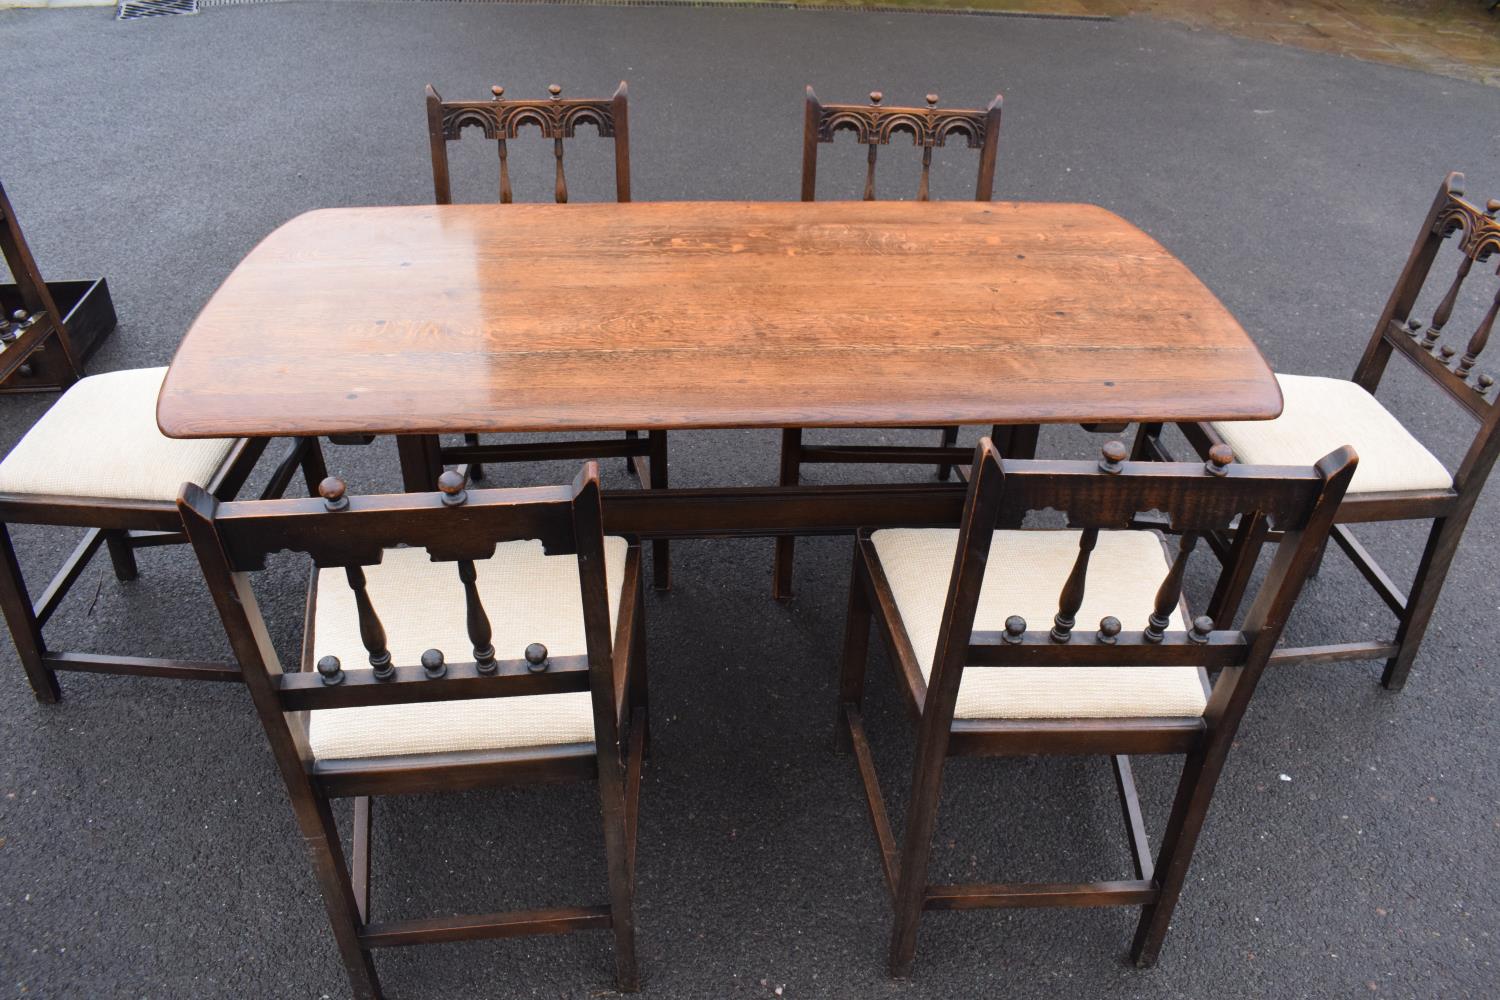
{"x":146,"y":845}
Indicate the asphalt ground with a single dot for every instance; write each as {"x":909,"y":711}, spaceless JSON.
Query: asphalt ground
{"x":146,"y":845}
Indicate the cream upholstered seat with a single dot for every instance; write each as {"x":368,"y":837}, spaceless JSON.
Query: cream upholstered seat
{"x":529,"y":597}
{"x":100,"y":439}
{"x":1323,"y":414}
{"x":1024,"y":576}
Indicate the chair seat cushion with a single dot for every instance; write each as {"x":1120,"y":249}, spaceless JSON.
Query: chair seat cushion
{"x":100,"y":439}
{"x":1024,"y":575}
{"x":1321,"y":414}
{"x":529,"y":597}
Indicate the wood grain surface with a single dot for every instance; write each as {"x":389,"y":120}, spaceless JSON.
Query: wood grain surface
{"x":673,"y":315}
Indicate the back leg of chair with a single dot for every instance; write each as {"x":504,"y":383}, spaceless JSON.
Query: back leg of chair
{"x":618,"y":852}
{"x":25,"y":631}
{"x":786,"y":545}
{"x":314,"y":469}
{"x":331,"y":868}
{"x":948,"y":438}
{"x":1437,"y":556}
{"x":661,"y":556}
{"x":121,"y":554}
{"x":1200,"y":772}
{"x":476,"y":470}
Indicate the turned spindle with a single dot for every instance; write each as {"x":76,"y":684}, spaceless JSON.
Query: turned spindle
{"x":1170,"y":593}
{"x":1015,"y":629}
{"x":1481,"y":337}
{"x":1203,"y":627}
{"x":371,"y":632}
{"x":561,"y":192}
{"x":922,"y":188}
{"x":875,"y":98}
{"x":536,"y":658}
{"x":332,"y":491}
{"x":476,"y":620}
{"x":432,"y":663}
{"x":1430,"y":338}
{"x":330,"y":671}
{"x":1220,"y":457}
{"x":1109,"y":630}
{"x":8,"y":333}
{"x":1071,"y":598}
{"x":505,"y":193}
{"x":451,"y":485}
{"x":1112,"y":457}
{"x":1445,"y":308}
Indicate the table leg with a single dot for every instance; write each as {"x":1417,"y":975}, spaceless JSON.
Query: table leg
{"x":421,"y":462}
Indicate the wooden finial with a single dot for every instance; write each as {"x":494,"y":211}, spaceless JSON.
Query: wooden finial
{"x":1447,"y":353}
{"x":451,"y":486}
{"x":554,"y":90}
{"x":1414,"y":328}
{"x":876,"y":97}
{"x":536,"y":657}
{"x":1111,"y":455}
{"x":331,"y":671}
{"x":498,"y":91}
{"x":7,"y":332}
{"x":1483,"y":383}
{"x":332,"y":491}
{"x":1220,"y":456}
{"x":1015,"y":629}
{"x":19,"y":316}
{"x":932,"y":100}
{"x":1491,"y":207}
{"x":1109,"y":629}
{"x":1203,"y":626}
{"x":432,"y":663}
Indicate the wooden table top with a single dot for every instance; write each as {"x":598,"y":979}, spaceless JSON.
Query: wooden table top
{"x":428,"y":319}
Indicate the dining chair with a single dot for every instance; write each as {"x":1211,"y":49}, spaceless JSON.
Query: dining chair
{"x":96,"y":460}
{"x":504,"y":644}
{"x":36,"y":323}
{"x":556,"y":118}
{"x":988,"y":633}
{"x":875,"y":125}
{"x":1398,"y":479}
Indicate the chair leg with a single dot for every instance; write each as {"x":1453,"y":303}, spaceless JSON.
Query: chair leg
{"x":121,"y":554}
{"x":621,"y":884}
{"x":1442,"y":544}
{"x":314,"y":469}
{"x":1145,"y":437}
{"x":947,"y":439}
{"x":786,"y":545}
{"x":476,"y":470}
{"x":916,"y":850}
{"x":661,"y":556}
{"x":630,"y":468}
{"x":1189,"y":808}
{"x":856,"y":652}
{"x":322,"y":837}
{"x":640,"y":698}
{"x":24,"y":630}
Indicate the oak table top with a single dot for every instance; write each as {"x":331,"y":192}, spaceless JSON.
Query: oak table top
{"x":672,"y":315}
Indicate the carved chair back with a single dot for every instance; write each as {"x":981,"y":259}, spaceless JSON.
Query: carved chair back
{"x":1476,"y":238}
{"x":557,"y":118}
{"x":1114,"y":494}
{"x":29,"y":326}
{"x":456,"y":526}
{"x":874,"y":126}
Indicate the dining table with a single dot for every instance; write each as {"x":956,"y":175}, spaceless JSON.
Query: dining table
{"x":417,"y":321}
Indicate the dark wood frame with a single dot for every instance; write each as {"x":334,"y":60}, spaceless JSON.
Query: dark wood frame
{"x":122,"y":526}
{"x":557,"y":119}
{"x":1301,"y":504}
{"x":232,"y":540}
{"x":44,"y":322}
{"x":1451,"y":370}
{"x":875,"y":126}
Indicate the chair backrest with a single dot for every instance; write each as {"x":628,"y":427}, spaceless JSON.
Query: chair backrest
{"x":1116,"y":494}
{"x":455,"y":526}
{"x":874,"y":126}
{"x":501,"y":120}
{"x":1476,"y":237}
{"x":28,"y":327}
